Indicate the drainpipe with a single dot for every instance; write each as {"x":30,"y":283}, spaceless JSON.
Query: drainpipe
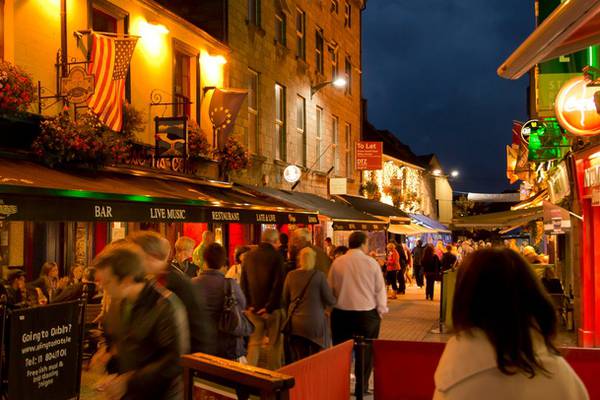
{"x":63,"y":37}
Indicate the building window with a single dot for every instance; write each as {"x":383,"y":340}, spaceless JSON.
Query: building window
{"x":252,"y":140}
{"x":349,"y":144}
{"x":335,"y":141}
{"x":181,"y":84}
{"x":280,"y":136}
{"x":280,"y":28}
{"x":254,"y":12}
{"x":348,"y":71}
{"x":318,"y":138}
{"x":300,"y":34}
{"x":319,"y":41}
{"x":103,"y":22}
{"x":335,"y":7}
{"x":347,"y":15}
{"x":333,"y":55}
{"x":301,"y":127}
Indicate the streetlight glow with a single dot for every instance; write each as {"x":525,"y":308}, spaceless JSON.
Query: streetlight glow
{"x":340,"y":82}
{"x":454,"y":174}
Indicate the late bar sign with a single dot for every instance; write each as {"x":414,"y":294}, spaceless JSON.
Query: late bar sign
{"x":369,"y":156}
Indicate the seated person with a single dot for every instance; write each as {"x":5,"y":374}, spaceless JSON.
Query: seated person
{"x":16,"y":294}
{"x":75,"y":291}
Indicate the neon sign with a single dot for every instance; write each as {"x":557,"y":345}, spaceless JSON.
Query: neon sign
{"x":575,"y":107}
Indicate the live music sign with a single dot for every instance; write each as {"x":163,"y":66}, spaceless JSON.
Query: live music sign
{"x":369,"y":156}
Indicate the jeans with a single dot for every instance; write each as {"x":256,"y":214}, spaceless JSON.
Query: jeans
{"x":390,"y":276}
{"x":401,"y":281}
{"x":269,"y":327}
{"x":418,"y":274}
{"x":430,"y":285}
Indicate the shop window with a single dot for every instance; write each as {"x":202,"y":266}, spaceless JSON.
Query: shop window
{"x":104,"y":22}
{"x":301,"y":127}
{"x":280,"y":123}
{"x":254,"y":12}
{"x":319,"y":138}
{"x":252,"y":137}
{"x":319,"y":42}
{"x":348,"y":151}
{"x":347,"y":15}
{"x":300,"y":34}
{"x":335,"y":128}
{"x":181,"y":83}
{"x":280,"y":29}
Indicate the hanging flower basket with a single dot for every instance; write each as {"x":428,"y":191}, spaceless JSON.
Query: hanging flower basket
{"x":16,"y":89}
{"x":199,"y":149}
{"x":233,"y":156}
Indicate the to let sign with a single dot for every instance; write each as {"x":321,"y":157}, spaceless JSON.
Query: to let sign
{"x":369,"y":156}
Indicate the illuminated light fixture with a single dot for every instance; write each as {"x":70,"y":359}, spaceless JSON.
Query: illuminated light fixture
{"x":338,"y":83}
{"x":207,"y":59}
{"x":153,"y":38}
{"x":595,"y":156}
{"x":151,"y":27}
{"x":454,"y":174}
{"x":212,"y":69}
{"x":437,"y":172}
{"x":292,"y":174}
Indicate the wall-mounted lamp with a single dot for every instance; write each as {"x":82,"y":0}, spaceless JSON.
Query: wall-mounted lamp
{"x":212,"y":69}
{"x":338,"y":83}
{"x":436,"y":172}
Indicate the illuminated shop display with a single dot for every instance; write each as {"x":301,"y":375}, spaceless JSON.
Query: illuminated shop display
{"x":397,"y":185}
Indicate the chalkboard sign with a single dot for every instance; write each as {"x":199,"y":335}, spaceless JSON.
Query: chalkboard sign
{"x":44,"y":352}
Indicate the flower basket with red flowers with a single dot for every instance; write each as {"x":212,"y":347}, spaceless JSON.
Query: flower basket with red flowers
{"x":233,"y":156}
{"x":16,"y":89}
{"x":198,"y":146}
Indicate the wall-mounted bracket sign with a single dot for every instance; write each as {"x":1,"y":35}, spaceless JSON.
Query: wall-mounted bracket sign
{"x":171,"y":137}
{"x":575,"y":107}
{"x":292,"y":174}
{"x":369,"y":156}
{"x":78,"y":86}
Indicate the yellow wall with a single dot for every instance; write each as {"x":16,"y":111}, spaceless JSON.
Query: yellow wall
{"x":33,"y":39}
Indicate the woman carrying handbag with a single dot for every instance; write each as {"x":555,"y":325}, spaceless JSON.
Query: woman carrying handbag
{"x":306,"y":295}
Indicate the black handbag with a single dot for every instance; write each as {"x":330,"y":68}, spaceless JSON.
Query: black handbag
{"x":233,"y":321}
{"x":286,"y":327}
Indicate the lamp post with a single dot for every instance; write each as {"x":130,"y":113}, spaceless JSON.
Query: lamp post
{"x":337,"y":82}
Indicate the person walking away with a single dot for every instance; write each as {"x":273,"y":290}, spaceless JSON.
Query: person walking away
{"x":152,"y":331}
{"x":208,"y":238}
{"x":507,"y":325}
{"x":212,"y":286}
{"x":262,"y":284}
{"x":431,"y":267}
{"x":184,"y":249}
{"x":448,"y":259}
{"x":357,"y":284}
{"x":403,"y":266}
{"x":417,"y":255}
{"x":235,"y":272}
{"x":306,"y":295}
{"x":392,"y":265}
{"x":156,"y":250}
{"x":301,"y":238}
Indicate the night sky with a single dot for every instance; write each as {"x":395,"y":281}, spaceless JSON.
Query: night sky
{"x":429,"y":75}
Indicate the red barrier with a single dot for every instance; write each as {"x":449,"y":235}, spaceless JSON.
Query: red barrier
{"x":323,"y":376}
{"x":404,"y":370}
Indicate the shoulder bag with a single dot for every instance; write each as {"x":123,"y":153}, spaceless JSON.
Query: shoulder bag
{"x":286,"y":327}
{"x":233,"y":320}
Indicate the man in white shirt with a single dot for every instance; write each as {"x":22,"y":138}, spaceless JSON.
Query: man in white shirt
{"x":358,"y":285}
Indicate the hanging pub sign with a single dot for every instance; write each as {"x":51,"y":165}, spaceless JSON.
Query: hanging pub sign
{"x":171,"y":137}
{"x":576,"y":109}
{"x":530,"y":126}
{"x":368,"y":156}
{"x":78,"y":86}
{"x":558,"y":183}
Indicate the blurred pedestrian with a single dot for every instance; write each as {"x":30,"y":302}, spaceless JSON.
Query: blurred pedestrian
{"x":235,"y":272}
{"x":417,"y":255}
{"x":262,"y":284}
{"x":431,"y":268}
{"x":507,"y":324}
{"x":358,"y":286}
{"x":300,"y":239}
{"x":329,"y":247}
{"x":152,"y":332}
{"x":284,"y":246}
{"x":448,"y":259}
{"x":339,"y":251}
{"x":306,"y":295}
{"x":184,"y":249}
{"x":392,"y":265}
{"x":440,"y":249}
{"x":212,"y":284}
{"x":208,"y":238}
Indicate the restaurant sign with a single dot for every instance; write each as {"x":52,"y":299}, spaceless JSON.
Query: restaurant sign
{"x":576,"y":109}
{"x":369,"y":156}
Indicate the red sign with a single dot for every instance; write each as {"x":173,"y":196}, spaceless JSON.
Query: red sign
{"x":369,"y":156}
{"x":576,"y":109}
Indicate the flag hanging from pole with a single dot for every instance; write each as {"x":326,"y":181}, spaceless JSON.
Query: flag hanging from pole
{"x":220,"y":108}
{"x":109,"y":63}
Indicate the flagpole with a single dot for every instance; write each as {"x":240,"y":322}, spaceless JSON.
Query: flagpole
{"x":90,"y":31}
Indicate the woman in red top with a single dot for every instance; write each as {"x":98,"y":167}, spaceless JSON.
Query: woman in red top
{"x":392,"y":267}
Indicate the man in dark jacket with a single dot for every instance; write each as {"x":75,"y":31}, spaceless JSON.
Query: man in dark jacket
{"x":157,"y":248}
{"x":417,"y":255}
{"x":262,"y":284}
{"x":152,"y":331}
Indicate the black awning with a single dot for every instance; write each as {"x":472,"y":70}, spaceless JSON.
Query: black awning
{"x":343,"y":215}
{"x":29,"y":191}
{"x":377,"y":208}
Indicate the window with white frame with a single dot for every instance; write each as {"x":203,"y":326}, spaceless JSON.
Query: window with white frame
{"x":335,"y":143}
{"x":300,"y":34}
{"x":348,"y":72}
{"x":252,"y":137}
{"x":280,"y":134}
{"x":254,"y":12}
{"x":280,"y":29}
{"x":347,"y":15}
{"x":301,"y":127}
{"x":334,"y":8}
{"x":319,"y":43}
{"x":318,"y":139}
{"x":349,"y":143}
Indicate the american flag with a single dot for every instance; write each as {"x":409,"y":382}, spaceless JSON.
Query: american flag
{"x":109,"y":64}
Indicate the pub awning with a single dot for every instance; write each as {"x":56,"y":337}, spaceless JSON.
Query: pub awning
{"x":572,"y":26}
{"x":409,"y":229}
{"x":344,"y":217}
{"x":377,"y":208}
{"x":29,"y":191}
{"x":430,"y":223}
{"x":500,"y":220}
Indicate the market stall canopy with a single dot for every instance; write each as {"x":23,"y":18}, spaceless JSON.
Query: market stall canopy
{"x":573,"y":26}
{"x":377,"y":208}
{"x":29,"y":191}
{"x":430,"y":223}
{"x":499,"y":220}
{"x":344,"y":217}
{"x":409,"y":229}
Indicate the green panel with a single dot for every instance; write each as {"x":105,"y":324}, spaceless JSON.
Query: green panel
{"x":448,"y":299}
{"x":548,"y":142}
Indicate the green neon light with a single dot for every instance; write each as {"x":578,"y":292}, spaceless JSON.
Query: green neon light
{"x":592,"y":54}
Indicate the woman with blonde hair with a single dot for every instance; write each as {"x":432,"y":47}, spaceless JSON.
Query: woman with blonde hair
{"x":306,"y":295}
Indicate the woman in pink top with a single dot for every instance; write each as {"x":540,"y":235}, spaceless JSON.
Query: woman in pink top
{"x":392,"y":266}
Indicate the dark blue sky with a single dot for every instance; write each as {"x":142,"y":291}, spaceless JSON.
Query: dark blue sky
{"x":429,"y":75}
